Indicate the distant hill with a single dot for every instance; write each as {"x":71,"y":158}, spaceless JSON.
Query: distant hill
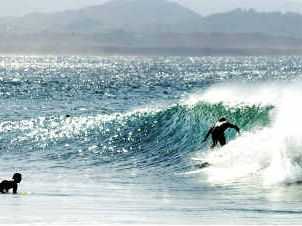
{"x":141,"y":16}
{"x":156,"y":16}
{"x":250,"y":21}
{"x":151,"y":27}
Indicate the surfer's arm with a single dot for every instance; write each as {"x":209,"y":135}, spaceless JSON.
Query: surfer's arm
{"x":208,"y":134}
{"x":230,"y":125}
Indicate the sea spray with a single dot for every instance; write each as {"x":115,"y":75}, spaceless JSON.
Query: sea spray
{"x":286,"y":166}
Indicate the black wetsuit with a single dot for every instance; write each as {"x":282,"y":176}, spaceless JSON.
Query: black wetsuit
{"x":217,"y":132}
{"x":6,"y":185}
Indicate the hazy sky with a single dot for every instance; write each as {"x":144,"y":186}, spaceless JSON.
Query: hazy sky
{"x":204,"y":7}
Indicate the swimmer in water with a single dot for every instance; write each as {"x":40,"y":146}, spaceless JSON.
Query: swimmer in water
{"x":6,"y":185}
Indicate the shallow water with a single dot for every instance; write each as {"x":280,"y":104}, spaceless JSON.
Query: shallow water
{"x":128,"y":152}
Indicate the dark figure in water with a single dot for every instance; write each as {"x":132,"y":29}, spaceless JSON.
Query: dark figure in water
{"x":6,"y":185}
{"x":217,"y":132}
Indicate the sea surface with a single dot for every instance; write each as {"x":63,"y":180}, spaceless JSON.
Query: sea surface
{"x":118,"y":140}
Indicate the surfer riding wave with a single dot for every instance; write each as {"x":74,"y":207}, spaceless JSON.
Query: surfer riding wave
{"x":217,"y":132}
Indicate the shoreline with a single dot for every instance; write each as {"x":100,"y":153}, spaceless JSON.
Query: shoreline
{"x":125,"y":51}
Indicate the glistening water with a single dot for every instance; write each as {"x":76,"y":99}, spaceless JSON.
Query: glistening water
{"x":118,"y":140}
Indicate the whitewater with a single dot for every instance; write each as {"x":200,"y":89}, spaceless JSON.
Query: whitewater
{"x":118,"y":140}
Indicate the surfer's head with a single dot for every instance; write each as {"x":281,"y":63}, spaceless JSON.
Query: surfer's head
{"x":17,"y":177}
{"x":222,"y":119}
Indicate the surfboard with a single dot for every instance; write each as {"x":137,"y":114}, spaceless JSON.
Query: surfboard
{"x":202,"y":164}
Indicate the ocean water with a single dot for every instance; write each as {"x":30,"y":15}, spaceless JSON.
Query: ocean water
{"x":117,"y":140}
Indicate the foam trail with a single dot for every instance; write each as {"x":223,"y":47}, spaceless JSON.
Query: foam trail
{"x":241,"y":158}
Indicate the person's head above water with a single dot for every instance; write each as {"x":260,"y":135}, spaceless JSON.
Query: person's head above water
{"x":222,"y":119}
{"x":17,"y":177}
